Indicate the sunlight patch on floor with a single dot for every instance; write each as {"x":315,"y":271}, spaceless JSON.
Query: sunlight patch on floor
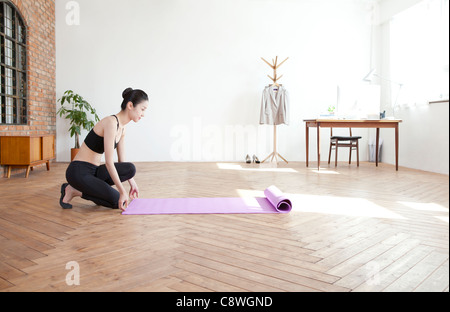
{"x":429,"y":207}
{"x":442,"y":218}
{"x":326,"y":204}
{"x":347,"y":206}
{"x":262,"y":167}
{"x":250,"y":193}
{"x":324,"y":171}
{"x":424,"y":206}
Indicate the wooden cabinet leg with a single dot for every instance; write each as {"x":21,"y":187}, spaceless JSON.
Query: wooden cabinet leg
{"x":8,"y":174}
{"x":28,"y":172}
{"x":48,"y":165}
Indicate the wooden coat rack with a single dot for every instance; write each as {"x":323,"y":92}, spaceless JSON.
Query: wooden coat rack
{"x":275,"y":66}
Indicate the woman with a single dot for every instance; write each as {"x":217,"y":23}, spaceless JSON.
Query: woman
{"x":92,"y":181}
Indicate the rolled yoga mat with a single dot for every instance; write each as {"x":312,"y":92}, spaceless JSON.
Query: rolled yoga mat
{"x":274,"y":202}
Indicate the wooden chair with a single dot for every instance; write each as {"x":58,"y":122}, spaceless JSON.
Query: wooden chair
{"x":344,"y":141}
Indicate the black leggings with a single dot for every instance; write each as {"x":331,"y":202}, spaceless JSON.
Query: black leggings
{"x":94,"y":182}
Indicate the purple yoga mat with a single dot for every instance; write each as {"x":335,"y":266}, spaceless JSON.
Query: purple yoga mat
{"x":274,"y":202}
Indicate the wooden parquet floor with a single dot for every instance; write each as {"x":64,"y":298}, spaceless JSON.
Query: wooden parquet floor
{"x":351,"y":229}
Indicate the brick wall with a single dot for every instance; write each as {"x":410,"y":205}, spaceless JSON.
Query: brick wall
{"x":39,"y":18}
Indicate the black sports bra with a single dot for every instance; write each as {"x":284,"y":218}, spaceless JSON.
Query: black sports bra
{"x":96,"y":142}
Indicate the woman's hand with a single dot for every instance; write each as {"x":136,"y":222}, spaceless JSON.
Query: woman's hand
{"x":123,"y":201}
{"x":134,"y":191}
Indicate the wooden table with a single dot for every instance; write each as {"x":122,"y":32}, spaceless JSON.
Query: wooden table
{"x":347,"y":123}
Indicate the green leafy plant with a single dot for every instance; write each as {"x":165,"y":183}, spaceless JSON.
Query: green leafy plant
{"x":331,"y":109}
{"x":77,"y":113}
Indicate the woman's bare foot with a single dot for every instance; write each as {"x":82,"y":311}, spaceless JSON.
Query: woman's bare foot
{"x":70,"y":193}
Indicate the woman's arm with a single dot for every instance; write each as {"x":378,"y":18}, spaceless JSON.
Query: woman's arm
{"x":134,"y":191}
{"x":121,"y":147}
{"x":109,"y":134}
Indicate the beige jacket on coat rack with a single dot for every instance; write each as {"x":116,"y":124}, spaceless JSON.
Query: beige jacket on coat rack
{"x":274,"y":106}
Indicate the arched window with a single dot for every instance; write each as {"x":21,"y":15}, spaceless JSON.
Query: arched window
{"x":13,"y":63}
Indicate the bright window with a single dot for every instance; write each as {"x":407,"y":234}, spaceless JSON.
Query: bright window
{"x":420,"y":52}
{"x":13,"y":66}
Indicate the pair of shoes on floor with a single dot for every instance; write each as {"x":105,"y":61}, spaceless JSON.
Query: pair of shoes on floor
{"x":248,"y":160}
{"x":63,"y":193}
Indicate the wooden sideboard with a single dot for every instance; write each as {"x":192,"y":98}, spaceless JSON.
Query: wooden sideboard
{"x":26,"y":151}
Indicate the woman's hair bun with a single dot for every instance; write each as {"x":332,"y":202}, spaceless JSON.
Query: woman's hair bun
{"x":126,"y":91}
{"x":135,"y":96}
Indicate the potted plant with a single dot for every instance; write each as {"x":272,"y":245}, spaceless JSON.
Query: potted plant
{"x":331,"y":109}
{"x":77,"y":113}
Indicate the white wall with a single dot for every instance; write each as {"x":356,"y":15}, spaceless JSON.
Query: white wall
{"x":199,"y":61}
{"x":424,"y":132}
{"x":424,"y":137}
